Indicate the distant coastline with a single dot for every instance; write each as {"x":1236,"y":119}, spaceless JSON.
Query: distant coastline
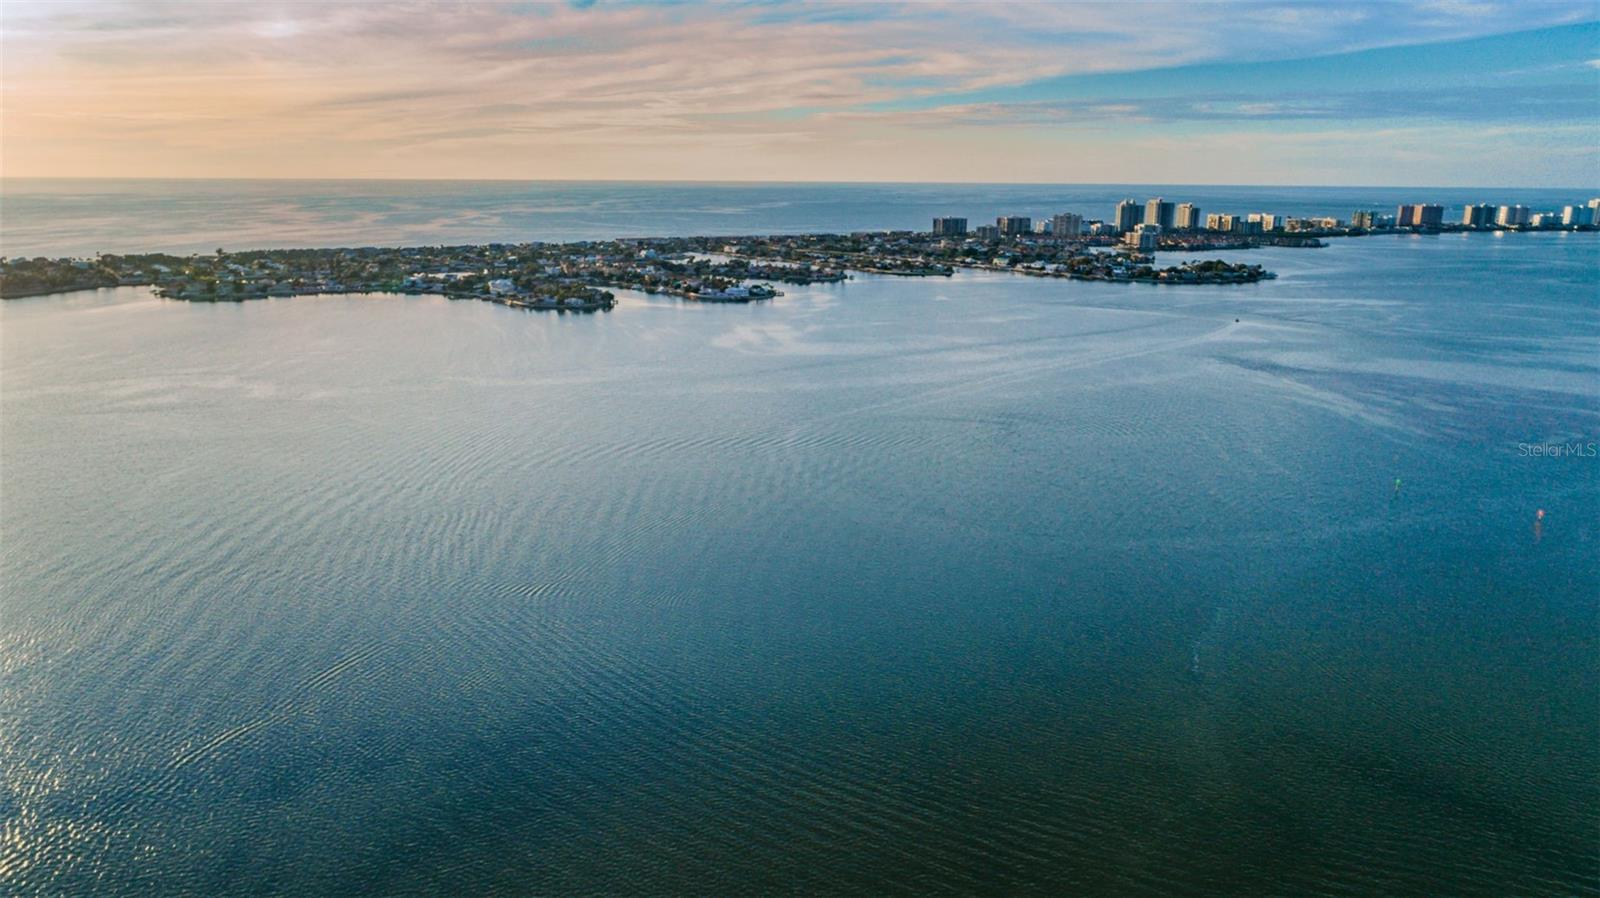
{"x":575,"y":277}
{"x":579,"y":275}
{"x":57,"y":219}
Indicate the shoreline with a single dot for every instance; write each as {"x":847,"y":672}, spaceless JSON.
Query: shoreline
{"x":578,"y":276}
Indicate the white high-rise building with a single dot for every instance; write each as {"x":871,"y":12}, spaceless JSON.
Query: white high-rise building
{"x":1127,"y":216}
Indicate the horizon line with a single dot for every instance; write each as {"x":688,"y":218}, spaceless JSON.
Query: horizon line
{"x":815,"y":182}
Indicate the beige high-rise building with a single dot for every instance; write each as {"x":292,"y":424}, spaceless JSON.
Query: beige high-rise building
{"x":1512,"y":216}
{"x":1146,"y":238}
{"x":1067,"y":224}
{"x":1012,"y":225}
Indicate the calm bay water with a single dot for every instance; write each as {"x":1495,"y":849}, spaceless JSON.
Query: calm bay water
{"x":979,"y":585}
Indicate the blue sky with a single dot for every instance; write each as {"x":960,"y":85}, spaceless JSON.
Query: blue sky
{"x":1561,"y":58}
{"x":1432,"y":91}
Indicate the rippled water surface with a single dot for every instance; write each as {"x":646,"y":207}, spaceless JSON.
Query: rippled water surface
{"x":979,"y":585}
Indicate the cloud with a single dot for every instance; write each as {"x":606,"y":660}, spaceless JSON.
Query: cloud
{"x":1566,"y":103}
{"x":668,"y":90}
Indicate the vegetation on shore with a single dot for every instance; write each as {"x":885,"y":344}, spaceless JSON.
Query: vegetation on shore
{"x":581,"y":275}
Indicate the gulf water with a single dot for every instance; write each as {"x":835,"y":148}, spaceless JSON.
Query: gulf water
{"x":980,"y":585}
{"x":81,"y":217}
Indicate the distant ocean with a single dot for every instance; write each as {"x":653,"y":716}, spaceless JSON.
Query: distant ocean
{"x":81,"y":217}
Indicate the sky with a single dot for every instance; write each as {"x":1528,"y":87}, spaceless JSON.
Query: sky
{"x":1426,"y":92}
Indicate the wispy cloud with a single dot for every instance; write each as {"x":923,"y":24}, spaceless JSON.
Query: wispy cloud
{"x":750,"y":89}
{"x":1466,"y":105}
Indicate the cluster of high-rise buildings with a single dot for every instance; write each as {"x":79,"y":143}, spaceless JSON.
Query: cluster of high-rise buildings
{"x":1140,"y":225}
{"x":1480,"y":215}
{"x":1067,"y":224}
{"x":1483,"y":215}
